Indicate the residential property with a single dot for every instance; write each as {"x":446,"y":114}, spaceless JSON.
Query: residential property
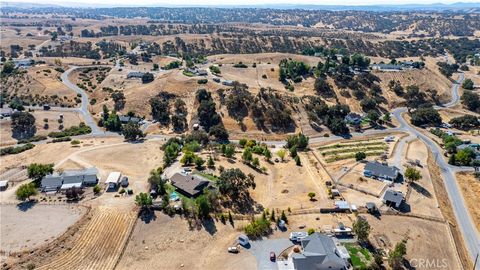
{"x":6,"y":112}
{"x":189,"y":185}
{"x":124,"y":119}
{"x":135,"y":74}
{"x":393,"y":197}
{"x":23,"y":63}
{"x":353,"y":118}
{"x":377,"y":170}
{"x":202,"y":72}
{"x":386,"y":67}
{"x":474,"y":147}
{"x":69,"y":179}
{"x":319,"y":252}
{"x":227,"y":83}
{"x":113,"y":180}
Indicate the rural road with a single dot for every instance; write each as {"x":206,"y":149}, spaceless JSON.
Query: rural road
{"x":467,"y":226}
{"x":84,"y":107}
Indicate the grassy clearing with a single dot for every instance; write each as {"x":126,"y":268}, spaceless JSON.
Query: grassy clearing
{"x":188,"y":74}
{"x":355,"y":150}
{"x":365,"y":143}
{"x":359,"y":256}
{"x":208,"y":176}
{"x":351,"y":155}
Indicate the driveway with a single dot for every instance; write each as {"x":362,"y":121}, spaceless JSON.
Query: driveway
{"x":261,"y":251}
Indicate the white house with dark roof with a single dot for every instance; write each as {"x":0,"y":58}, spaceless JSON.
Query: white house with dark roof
{"x":377,"y":170}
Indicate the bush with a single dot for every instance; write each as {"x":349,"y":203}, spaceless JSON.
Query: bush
{"x":16,"y":150}
{"x":96,"y":189}
{"x":35,"y":138}
{"x":258,"y":228}
{"x":202,"y":81}
{"x":62,"y":139}
{"x":72,"y":131}
{"x":75,"y":142}
{"x":360,"y":156}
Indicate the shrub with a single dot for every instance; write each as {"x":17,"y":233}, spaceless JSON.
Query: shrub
{"x":16,"y":150}
{"x":72,"y":131}
{"x":202,"y":81}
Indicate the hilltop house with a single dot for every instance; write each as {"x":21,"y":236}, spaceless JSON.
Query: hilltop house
{"x":189,"y":185}
{"x":377,"y":170}
{"x":393,"y":197}
{"x":353,"y":119}
{"x":135,"y":74}
{"x":319,"y":252}
{"x":386,"y":67}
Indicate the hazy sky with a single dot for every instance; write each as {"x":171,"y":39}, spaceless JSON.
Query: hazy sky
{"x":238,"y":2}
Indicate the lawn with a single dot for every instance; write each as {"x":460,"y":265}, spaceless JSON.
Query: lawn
{"x":360,"y":257}
{"x":188,"y":74}
{"x":210,"y":177}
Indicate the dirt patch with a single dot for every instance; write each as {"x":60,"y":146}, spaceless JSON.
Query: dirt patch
{"x":434,"y":236}
{"x":159,"y":243}
{"x":25,"y":228}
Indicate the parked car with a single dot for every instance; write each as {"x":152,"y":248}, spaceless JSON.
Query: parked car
{"x":243,"y":240}
{"x":272,"y":256}
{"x":233,"y":249}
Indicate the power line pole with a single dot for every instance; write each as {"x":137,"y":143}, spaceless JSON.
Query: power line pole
{"x":476,"y":259}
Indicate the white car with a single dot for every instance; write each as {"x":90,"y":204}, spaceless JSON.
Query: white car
{"x":233,"y":249}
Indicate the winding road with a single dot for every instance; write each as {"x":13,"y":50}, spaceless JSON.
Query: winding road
{"x":466,"y":224}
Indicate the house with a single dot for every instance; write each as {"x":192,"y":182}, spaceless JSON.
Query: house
{"x":202,"y":72}
{"x":386,"y":67}
{"x":319,"y":252}
{"x":51,"y":183}
{"x":342,"y":205}
{"x":393,"y":197}
{"x":189,"y":185}
{"x":227,"y":83}
{"x":124,"y":119}
{"x":377,"y":170}
{"x":135,"y":74}
{"x":69,"y":179}
{"x":3,"y":185}
{"x":112,"y":180}
{"x":353,"y":118}
{"x":6,"y":112}
{"x":23,"y":63}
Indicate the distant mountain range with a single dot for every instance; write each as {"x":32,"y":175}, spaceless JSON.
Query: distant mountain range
{"x":439,"y":7}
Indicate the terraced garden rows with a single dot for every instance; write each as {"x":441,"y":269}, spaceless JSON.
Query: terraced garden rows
{"x":100,"y":243}
{"x":341,"y":151}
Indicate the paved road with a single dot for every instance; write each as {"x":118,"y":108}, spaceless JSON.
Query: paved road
{"x":84,"y":107}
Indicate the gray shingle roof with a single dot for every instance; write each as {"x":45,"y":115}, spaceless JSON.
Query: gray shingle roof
{"x":380,"y":170}
{"x":393,"y":196}
{"x":319,"y":252}
{"x":190,"y":184}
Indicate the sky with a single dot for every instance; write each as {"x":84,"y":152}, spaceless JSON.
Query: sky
{"x":237,"y":2}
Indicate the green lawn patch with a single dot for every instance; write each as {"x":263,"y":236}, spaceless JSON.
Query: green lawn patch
{"x":210,"y":177}
{"x":360,"y":257}
{"x":188,"y":74}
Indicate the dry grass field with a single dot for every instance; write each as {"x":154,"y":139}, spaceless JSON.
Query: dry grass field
{"x":470,"y":187}
{"x":435,"y":238}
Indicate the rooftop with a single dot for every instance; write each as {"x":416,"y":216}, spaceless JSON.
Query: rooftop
{"x":190,"y":184}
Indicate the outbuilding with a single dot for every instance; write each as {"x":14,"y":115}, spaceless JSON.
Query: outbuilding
{"x":112,"y":180}
{"x":3,"y":185}
{"x":393,"y":197}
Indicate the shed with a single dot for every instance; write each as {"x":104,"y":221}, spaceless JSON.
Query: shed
{"x":393,"y":197}
{"x":3,"y":185}
{"x":342,"y":205}
{"x":113,"y":179}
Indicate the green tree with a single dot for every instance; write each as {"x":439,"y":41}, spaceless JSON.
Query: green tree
{"x":467,"y":84}
{"x":230,"y":151}
{"x":298,"y":162}
{"x":8,"y":68}
{"x":247,"y":155}
{"x":188,"y":158}
{"x":293,"y":151}
{"x":267,"y":153}
{"x":362,"y":229}
{"x":396,"y":257}
{"x":412,"y":174}
{"x":144,"y":200}
{"x":284,"y":217}
{"x":255,"y":162}
{"x":23,"y":125}
{"x":281,"y":154}
{"x":386,"y":117}
{"x":203,"y":207}
{"x":311,"y":231}
{"x":96,"y":189}
{"x":311,"y":195}
{"x":37,"y":171}
{"x":156,"y":180}
{"x":131,"y":131}
{"x":199,"y":162}
{"x":210,"y":162}
{"x":233,"y":182}
{"x":360,"y":156}
{"x":25,"y":191}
